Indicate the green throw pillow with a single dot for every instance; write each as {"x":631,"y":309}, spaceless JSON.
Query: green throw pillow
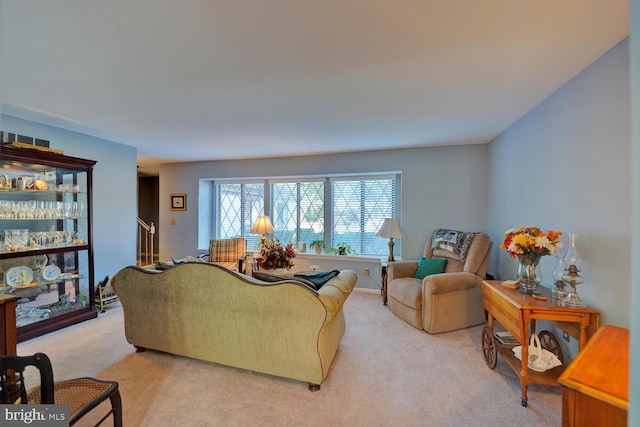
{"x":429,"y":266}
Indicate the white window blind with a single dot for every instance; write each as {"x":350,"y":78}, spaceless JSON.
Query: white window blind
{"x":358,"y":210}
{"x":334,"y":209}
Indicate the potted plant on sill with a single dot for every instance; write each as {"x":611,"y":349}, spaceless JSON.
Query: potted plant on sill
{"x":341,"y":249}
{"x":317,"y":245}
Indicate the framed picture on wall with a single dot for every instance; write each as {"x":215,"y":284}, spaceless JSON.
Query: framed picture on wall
{"x":178,"y":202}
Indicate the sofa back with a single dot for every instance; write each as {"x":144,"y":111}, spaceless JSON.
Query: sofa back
{"x":209,"y":312}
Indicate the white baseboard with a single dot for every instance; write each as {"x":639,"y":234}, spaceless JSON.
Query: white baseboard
{"x":367,"y":290}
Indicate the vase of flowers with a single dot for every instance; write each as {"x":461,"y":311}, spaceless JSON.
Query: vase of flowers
{"x":529,"y":244}
{"x":274,"y":254}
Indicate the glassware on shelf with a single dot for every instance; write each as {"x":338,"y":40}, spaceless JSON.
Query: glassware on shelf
{"x":53,"y":239}
{"x":40,"y":209}
{"x":39,"y":261}
{"x":16,"y":239}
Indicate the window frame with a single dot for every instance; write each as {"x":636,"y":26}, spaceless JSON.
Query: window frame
{"x":208,"y":219}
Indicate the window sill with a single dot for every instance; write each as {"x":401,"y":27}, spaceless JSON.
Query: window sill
{"x":331,"y":257}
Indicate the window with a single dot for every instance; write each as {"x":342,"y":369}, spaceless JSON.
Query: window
{"x":297,"y":210}
{"x":358,"y":210}
{"x":237,"y":207}
{"x":300,"y":209}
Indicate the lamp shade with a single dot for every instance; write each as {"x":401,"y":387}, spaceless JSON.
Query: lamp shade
{"x":262,"y":225}
{"x":391,"y":229}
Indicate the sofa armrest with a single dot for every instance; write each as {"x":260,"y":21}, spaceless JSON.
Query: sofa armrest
{"x":450,"y":282}
{"x":398,"y":269}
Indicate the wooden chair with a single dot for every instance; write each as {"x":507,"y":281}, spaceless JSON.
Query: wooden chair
{"x":81,"y":395}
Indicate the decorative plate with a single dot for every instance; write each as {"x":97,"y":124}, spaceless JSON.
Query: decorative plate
{"x":50,"y":272}
{"x":18,"y":276}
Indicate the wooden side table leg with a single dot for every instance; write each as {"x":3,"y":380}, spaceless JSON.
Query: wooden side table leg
{"x":583,"y":337}
{"x":383,"y":290}
{"x":524,"y":373}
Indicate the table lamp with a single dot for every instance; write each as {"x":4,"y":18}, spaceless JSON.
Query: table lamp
{"x":391,"y":229}
{"x":262,"y":226}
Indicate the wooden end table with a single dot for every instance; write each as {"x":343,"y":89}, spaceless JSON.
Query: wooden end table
{"x":517,"y":313}
{"x":8,"y":334}
{"x":596,"y":384}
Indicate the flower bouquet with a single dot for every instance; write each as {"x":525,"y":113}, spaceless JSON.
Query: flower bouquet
{"x":274,"y":254}
{"x":529,"y":244}
{"x":530,"y":241}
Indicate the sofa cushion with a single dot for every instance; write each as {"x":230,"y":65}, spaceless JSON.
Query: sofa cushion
{"x":429,"y":266}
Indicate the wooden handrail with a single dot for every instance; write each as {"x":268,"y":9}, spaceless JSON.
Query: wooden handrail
{"x":145,"y":257}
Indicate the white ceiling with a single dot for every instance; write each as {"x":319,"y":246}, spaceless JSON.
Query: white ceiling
{"x":190,"y":80}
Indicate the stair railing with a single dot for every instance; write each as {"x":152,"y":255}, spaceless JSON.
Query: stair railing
{"x":145,"y":242}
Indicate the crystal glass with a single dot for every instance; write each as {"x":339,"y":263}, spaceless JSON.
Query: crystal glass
{"x":571,"y":276}
{"x":559,"y":291}
{"x":571,"y":256}
{"x":529,"y":273}
{"x":16,"y":238}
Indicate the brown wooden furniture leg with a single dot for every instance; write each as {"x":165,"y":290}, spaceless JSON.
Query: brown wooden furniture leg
{"x":383,"y":291}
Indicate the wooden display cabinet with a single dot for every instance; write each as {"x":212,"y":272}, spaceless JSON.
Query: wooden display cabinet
{"x":47,"y":195}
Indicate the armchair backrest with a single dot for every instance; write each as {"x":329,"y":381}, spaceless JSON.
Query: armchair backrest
{"x":227,"y":250}
{"x":470,"y":257}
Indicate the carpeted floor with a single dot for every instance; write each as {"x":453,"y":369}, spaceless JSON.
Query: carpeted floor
{"x":386,"y":373}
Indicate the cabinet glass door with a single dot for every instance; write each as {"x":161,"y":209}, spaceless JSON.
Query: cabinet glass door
{"x":45,"y":228}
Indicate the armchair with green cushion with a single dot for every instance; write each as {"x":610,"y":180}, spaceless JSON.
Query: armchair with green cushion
{"x":442,"y":291}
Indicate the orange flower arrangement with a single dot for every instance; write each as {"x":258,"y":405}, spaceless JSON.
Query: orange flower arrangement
{"x":274,"y":254}
{"x":530,"y":241}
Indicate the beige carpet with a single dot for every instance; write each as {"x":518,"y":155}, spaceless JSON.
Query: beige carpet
{"x":386,"y":373}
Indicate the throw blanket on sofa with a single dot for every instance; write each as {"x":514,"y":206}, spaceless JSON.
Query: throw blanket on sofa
{"x":313,"y":280}
{"x":319,"y":278}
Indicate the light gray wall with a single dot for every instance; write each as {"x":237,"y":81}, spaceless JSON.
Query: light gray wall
{"x":1,"y":90}
{"x":114,"y":190}
{"x":566,"y":165}
{"x":441,"y":187}
{"x":634,"y":398}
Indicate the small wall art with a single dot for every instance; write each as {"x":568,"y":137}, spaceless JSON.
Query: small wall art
{"x":178,"y":202}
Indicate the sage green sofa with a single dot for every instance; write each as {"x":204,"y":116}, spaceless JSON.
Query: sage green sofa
{"x":208,"y":312}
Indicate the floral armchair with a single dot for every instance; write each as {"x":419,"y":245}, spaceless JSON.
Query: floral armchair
{"x":449,"y":297}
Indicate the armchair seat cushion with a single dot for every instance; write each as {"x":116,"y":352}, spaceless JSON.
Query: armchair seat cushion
{"x":407,"y":291}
